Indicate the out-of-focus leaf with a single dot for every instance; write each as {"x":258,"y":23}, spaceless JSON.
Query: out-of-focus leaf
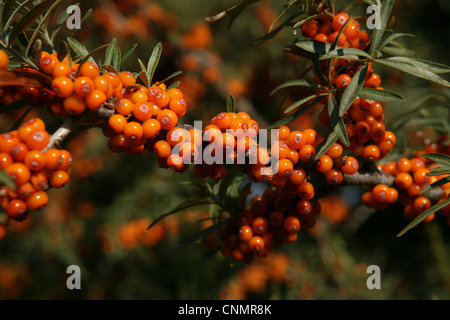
{"x":274,"y":32}
{"x":189,"y":203}
{"x":231,"y":103}
{"x":7,"y":180}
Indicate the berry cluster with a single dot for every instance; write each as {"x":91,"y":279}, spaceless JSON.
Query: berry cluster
{"x":271,"y":219}
{"x":364,"y":119}
{"x":411,"y":177}
{"x":33,"y":168}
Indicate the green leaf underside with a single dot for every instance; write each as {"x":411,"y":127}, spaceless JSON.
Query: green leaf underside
{"x":380,"y":95}
{"x":353,"y":89}
{"x":337,"y":123}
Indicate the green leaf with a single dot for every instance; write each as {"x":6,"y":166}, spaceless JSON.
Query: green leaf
{"x":295,"y":115}
{"x":439,"y":158}
{"x":273,"y":33}
{"x":314,"y":46}
{"x":299,"y":83}
{"x":153,"y":62}
{"x":395,"y":49}
{"x":174,"y":85}
{"x":110,"y":52}
{"x":438,"y":206}
{"x":353,"y":89}
{"x":83,"y":23}
{"x":377,"y":35}
{"x":300,"y":102}
{"x":189,"y":203}
{"x":413,"y":70}
{"x":325,"y":145}
{"x":428,"y":65}
{"x":143,"y":74}
{"x":380,"y":95}
{"x":42,"y":23}
{"x":77,"y":47}
{"x":345,"y":53}
{"x":127,"y":52}
{"x":173,"y":75}
{"x":436,"y":184}
{"x":205,"y":232}
{"x":28,"y":19}
{"x":7,"y":13}
{"x":336,"y":122}
{"x":391,"y":38}
{"x":231,"y":103}
{"x":7,"y":180}
{"x":317,"y":69}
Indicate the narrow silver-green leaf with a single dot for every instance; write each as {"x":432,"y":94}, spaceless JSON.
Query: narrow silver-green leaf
{"x":231,"y":103}
{"x":297,"y":83}
{"x":127,"y":52}
{"x":301,"y":102}
{"x":345,"y":53}
{"x":380,"y":95}
{"x":110,"y":51}
{"x":377,"y":35}
{"x":153,"y":62}
{"x":413,"y":70}
{"x":336,"y":122}
{"x":323,"y":147}
{"x":392,"y":37}
{"x":353,"y":89}
{"x":439,"y":158}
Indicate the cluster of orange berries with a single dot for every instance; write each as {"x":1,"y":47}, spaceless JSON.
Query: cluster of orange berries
{"x":411,"y":177}
{"x":271,"y":219}
{"x":33,"y":169}
{"x":364,"y":119}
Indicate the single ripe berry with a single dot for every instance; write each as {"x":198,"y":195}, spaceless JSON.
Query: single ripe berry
{"x":117,"y":122}
{"x":17,"y":209}
{"x":403,"y":180}
{"x":260,"y":225}
{"x":335,"y":176}
{"x":162,"y":148}
{"x":349,"y":165}
{"x":245,"y":233}
{"x":127,"y":79}
{"x":59,"y":178}
{"x":37,"y":200}
{"x":304,"y":207}
{"x":305,"y":191}
{"x":339,"y":20}
{"x":167,"y":118}
{"x":95,"y":99}
{"x":381,"y":193}
{"x":35,"y":160}
{"x":295,"y":140}
{"x":284,"y":167}
{"x":324,"y":164}
{"x":89,"y":69}
{"x":133,"y":130}
{"x":74,"y":105}
{"x":62,"y":86}
{"x":256,"y":244}
{"x":4,"y":60}
{"x":19,"y":173}
{"x":151,"y":128}
{"x":37,"y":140}
{"x":342,"y":81}
{"x":371,"y":153}
{"x":291,"y":224}
{"x":83,"y":86}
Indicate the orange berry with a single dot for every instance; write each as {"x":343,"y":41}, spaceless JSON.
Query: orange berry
{"x":284,"y":167}
{"x":17,"y":209}
{"x":35,"y":160}
{"x":305,"y":191}
{"x":162,"y":149}
{"x":4,"y":60}
{"x":324,"y":164}
{"x":83,"y":86}
{"x":37,"y":140}
{"x":167,"y":118}
{"x":297,"y":176}
{"x":117,"y":122}
{"x":307,"y":153}
{"x":178,"y":105}
{"x":256,"y":244}
{"x":176,"y":135}
{"x":133,"y":130}
{"x":371,"y":153}
{"x":349,"y":165}
{"x":291,"y":224}
{"x":279,"y":150}
{"x":37,"y":200}
{"x":113,"y":79}
{"x":48,"y":62}
{"x":143,"y":111}
{"x":339,"y":20}
{"x":5,"y":160}
{"x":381,"y":193}
{"x":89,"y":69}
{"x":283,"y":133}
{"x":74,"y":105}
{"x":421,"y":204}
{"x":151,"y":128}
{"x":61,"y":69}
{"x":62,"y":86}
{"x":59,"y":178}
{"x":19,"y":173}
{"x":342,"y":81}
{"x":403,"y":180}
{"x":335,"y":151}
{"x":295,"y":140}
{"x":335,"y":176}
{"x":162,"y":99}
{"x":125,"y":107}
{"x":95,"y":99}
{"x":127,"y":79}
{"x":403,"y":165}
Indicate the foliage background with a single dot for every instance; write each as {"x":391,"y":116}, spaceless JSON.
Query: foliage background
{"x":98,"y":220}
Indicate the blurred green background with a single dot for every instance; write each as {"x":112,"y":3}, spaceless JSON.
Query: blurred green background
{"x":98,"y":221}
